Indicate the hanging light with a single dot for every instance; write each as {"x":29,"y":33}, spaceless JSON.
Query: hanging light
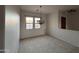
{"x":41,"y":21}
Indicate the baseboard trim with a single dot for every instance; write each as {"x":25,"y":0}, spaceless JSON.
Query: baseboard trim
{"x":33,"y":37}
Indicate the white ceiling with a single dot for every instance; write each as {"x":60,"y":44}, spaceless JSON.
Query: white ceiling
{"x":47,"y":9}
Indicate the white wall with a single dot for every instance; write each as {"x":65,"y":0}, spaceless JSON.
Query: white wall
{"x":2,"y":27}
{"x":12,"y":28}
{"x":69,"y":36}
{"x":33,"y":32}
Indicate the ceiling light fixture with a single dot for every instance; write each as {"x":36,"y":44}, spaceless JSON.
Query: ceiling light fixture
{"x":41,"y":19}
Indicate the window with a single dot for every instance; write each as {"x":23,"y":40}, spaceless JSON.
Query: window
{"x":29,"y":22}
{"x":37,"y":25}
{"x":32,"y":22}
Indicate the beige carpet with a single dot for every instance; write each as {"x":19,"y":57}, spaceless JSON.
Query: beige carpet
{"x":45,"y":44}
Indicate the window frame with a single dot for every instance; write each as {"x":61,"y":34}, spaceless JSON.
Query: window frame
{"x":27,"y":23}
{"x":32,"y":23}
{"x":37,"y":23}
